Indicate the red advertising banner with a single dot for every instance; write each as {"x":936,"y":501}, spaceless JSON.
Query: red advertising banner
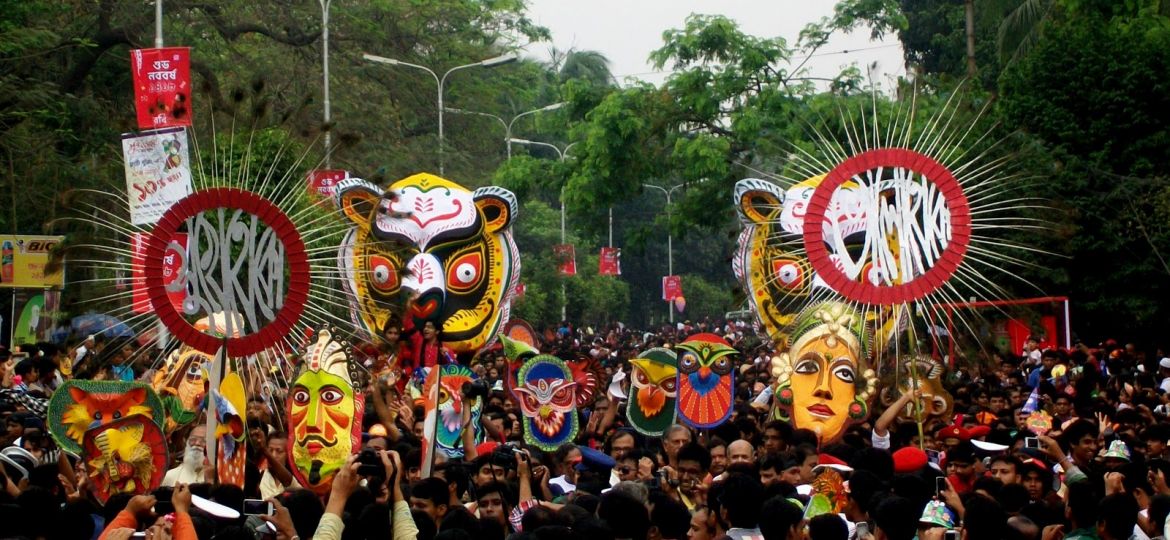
{"x":173,"y":279}
{"x":162,"y":86}
{"x":610,"y":262}
{"x":566,"y":259}
{"x":322,"y":182}
{"x":671,"y":287}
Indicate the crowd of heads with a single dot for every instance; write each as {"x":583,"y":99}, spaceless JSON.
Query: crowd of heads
{"x":993,"y":469}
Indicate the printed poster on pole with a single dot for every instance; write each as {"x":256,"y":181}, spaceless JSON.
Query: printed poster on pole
{"x":671,"y":287}
{"x":158,"y":172}
{"x":566,"y":259}
{"x":162,"y":86}
{"x":610,"y":262}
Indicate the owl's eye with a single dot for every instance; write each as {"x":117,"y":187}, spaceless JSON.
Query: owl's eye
{"x":641,"y":377}
{"x":688,"y":361}
{"x":669,"y":385}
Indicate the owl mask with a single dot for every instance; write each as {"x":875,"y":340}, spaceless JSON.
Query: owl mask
{"x":325,"y":409}
{"x":706,"y":376}
{"x":651,"y":407}
{"x":548,"y":393}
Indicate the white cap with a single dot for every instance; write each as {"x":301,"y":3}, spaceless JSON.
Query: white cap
{"x":987,"y":446}
{"x":1164,"y":363}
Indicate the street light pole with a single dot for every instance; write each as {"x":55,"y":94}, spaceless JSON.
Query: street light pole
{"x":508,"y":128}
{"x":561,"y":154}
{"x":669,"y":235}
{"x":441,"y":82}
{"x":158,"y":35}
{"x":325,"y":69}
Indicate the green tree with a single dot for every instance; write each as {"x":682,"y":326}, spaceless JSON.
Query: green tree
{"x":1091,"y":96}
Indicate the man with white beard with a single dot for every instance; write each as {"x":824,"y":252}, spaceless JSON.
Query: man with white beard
{"x":194,"y":466}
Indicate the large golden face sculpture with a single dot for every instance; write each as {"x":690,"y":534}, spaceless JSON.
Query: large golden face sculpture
{"x":325,"y":411}
{"x":822,"y":382}
{"x":449,"y":247}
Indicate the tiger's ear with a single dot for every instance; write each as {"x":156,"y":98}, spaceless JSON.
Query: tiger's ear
{"x":78,"y":395}
{"x":137,"y":395}
{"x":357,"y":200}
{"x":498,"y":206}
{"x":757,"y":201}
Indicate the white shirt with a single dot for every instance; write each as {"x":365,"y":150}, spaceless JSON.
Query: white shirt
{"x":182,"y":475}
{"x":563,"y":483}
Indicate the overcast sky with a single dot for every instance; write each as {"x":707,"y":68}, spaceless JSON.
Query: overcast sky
{"x":627,"y":30}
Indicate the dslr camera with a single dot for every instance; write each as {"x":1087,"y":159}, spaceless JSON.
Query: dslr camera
{"x":473,"y":389}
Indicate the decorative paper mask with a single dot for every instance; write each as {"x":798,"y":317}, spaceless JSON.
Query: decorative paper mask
{"x":823,"y":383}
{"x":548,"y":392}
{"x":706,"y":376}
{"x":371,"y":269}
{"x":459,"y":257}
{"x":829,"y":494}
{"x":79,"y":406}
{"x":651,"y":407}
{"x":125,"y":456}
{"x":325,"y":411}
{"x":548,"y":400}
{"x":520,"y":330}
{"x":447,"y":409}
{"x":183,"y":375}
{"x":771,"y":263}
{"x":768,"y":264}
{"x":926,"y":374}
{"x":230,"y":430}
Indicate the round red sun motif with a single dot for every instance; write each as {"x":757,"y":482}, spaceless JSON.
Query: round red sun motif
{"x":294,"y":266}
{"x":906,"y":215}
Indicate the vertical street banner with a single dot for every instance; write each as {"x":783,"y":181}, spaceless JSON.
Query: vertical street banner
{"x":610,"y":262}
{"x":23,"y":259}
{"x":158,"y":172}
{"x":323,"y":181}
{"x":671,"y":288}
{"x":174,"y":266}
{"x":162,"y":86}
{"x":566,"y":259}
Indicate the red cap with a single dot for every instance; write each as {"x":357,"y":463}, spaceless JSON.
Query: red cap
{"x":909,"y":459}
{"x":485,"y":448}
{"x":827,"y":460}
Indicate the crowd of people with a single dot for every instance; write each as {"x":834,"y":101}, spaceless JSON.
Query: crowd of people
{"x":1100,"y":471}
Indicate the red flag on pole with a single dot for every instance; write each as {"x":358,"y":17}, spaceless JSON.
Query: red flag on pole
{"x":610,"y":262}
{"x":162,"y":86}
{"x":173,"y":278}
{"x":671,"y":287}
{"x":566,"y":259}
{"x":322,"y":182}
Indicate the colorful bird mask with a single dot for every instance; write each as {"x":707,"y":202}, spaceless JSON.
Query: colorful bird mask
{"x":651,"y":407}
{"x":548,"y":392}
{"x":706,"y":376}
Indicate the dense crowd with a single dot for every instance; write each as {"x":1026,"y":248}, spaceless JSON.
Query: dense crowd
{"x":1100,"y":470}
